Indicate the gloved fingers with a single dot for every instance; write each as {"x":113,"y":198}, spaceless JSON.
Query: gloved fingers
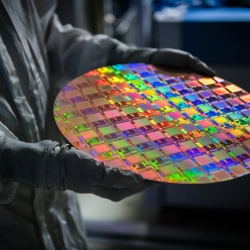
{"x":118,"y":178}
{"x":84,"y":174}
{"x":113,"y":194}
{"x":180,"y":59}
{"x":98,"y":174}
{"x":118,"y":194}
{"x":193,"y":63}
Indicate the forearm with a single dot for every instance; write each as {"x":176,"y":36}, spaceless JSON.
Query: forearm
{"x":18,"y":159}
{"x":73,"y":51}
{"x":50,"y":165}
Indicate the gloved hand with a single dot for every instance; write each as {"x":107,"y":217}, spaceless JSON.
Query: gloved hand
{"x":49,"y":165}
{"x":169,"y":57}
{"x":180,"y":59}
{"x":118,"y":52}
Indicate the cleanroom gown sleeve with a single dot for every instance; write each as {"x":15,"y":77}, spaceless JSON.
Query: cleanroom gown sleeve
{"x":7,"y":188}
{"x":52,"y":166}
{"x":73,"y":51}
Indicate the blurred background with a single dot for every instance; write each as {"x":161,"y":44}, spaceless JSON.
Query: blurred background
{"x":173,"y":216}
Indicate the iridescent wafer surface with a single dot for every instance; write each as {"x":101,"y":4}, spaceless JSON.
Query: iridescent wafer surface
{"x":168,"y":126}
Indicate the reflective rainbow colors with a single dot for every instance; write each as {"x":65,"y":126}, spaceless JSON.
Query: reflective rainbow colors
{"x":165,"y":125}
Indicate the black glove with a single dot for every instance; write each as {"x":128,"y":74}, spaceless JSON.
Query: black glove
{"x":49,"y":165}
{"x":169,"y":57}
{"x":180,"y":59}
{"x":118,"y":52}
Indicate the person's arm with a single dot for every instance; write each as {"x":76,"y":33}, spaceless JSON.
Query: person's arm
{"x":74,"y":51}
{"x":50,"y":165}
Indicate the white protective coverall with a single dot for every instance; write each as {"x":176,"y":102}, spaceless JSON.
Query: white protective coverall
{"x":37,"y":57}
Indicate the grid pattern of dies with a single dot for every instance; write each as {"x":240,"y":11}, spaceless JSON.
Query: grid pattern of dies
{"x":167,"y":126}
